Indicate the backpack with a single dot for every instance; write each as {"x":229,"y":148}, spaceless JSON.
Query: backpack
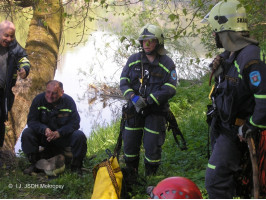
{"x":107,"y":179}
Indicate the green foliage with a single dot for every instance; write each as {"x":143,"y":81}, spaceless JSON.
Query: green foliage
{"x":100,"y":142}
{"x":179,"y":19}
{"x":256,"y":19}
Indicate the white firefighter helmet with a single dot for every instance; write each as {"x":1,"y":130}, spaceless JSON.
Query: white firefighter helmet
{"x":227,"y":15}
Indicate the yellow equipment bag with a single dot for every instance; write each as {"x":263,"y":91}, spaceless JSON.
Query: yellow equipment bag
{"x":107,"y":180}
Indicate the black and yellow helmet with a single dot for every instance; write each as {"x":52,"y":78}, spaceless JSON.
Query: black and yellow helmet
{"x":227,"y":15}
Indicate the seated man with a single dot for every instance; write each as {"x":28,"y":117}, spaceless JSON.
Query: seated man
{"x":53,"y":122}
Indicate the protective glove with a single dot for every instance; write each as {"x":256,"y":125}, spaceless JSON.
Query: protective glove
{"x":243,"y":131}
{"x":138,"y":102}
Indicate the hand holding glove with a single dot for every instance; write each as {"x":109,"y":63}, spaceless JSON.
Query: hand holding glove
{"x":138,"y":102}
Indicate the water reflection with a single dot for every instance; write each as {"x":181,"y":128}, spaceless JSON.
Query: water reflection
{"x":92,"y":65}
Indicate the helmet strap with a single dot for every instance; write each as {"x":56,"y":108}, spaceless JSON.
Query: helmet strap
{"x":218,"y":42}
{"x":153,"y":52}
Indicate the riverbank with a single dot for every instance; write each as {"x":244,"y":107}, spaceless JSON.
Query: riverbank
{"x":188,"y":106}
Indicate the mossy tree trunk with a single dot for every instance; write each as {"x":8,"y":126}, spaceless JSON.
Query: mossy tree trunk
{"x":42,"y":47}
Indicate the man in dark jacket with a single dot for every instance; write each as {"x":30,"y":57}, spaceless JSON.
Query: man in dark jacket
{"x":53,"y":122}
{"x":13,"y":62}
{"x":239,"y":96}
{"x":148,"y":81}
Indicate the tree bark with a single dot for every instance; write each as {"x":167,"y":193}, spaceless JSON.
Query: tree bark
{"x":42,"y":47}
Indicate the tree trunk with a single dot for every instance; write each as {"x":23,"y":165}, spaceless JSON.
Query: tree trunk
{"x":42,"y":47}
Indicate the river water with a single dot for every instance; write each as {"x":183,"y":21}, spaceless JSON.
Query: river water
{"x":91,"y":66}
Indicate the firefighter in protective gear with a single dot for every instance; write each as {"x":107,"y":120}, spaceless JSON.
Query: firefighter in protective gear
{"x":175,"y":188}
{"x":148,"y":81}
{"x":13,"y":63}
{"x":151,"y":31}
{"x":53,"y":123}
{"x":238,"y":98}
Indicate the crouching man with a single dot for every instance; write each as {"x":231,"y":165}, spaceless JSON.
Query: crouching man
{"x":53,"y":123}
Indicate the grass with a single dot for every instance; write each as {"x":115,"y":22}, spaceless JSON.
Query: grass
{"x":188,"y":105}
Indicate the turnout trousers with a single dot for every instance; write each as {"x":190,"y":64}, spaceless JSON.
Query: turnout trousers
{"x":151,"y":129}
{"x":30,"y":142}
{"x":223,"y":164}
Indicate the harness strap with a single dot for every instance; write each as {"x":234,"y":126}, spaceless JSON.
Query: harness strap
{"x":110,"y":171}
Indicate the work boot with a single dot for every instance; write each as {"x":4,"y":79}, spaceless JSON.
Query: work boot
{"x":32,"y":157}
{"x":150,"y":170}
{"x":31,"y":169}
{"x":133,"y":165}
{"x":130,"y":173}
{"x":131,"y":178}
{"x":76,"y":166}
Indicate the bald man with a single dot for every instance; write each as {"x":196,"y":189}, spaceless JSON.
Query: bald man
{"x":13,"y":62}
{"x":53,"y":123}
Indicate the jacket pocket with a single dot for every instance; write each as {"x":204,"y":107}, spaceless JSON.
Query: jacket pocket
{"x":225,"y":99}
{"x":63,"y":118}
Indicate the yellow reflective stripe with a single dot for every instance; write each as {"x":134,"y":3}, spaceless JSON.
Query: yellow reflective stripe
{"x":127,"y":91}
{"x":133,"y":63}
{"x":162,"y":66}
{"x":130,"y":156}
{"x":260,"y":96}
{"x":133,"y":129}
{"x":65,"y":110}
{"x":211,"y":166}
{"x":260,"y":126}
{"x":154,"y":99}
{"x":151,"y":131}
{"x":43,"y":108}
{"x":262,"y":56}
{"x":152,"y":161}
{"x":24,"y":59}
{"x":172,"y":86}
{"x":125,"y":78}
{"x":23,"y":64}
{"x":238,"y":69}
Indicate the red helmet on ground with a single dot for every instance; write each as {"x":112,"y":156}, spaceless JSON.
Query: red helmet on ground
{"x":176,"y":188}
